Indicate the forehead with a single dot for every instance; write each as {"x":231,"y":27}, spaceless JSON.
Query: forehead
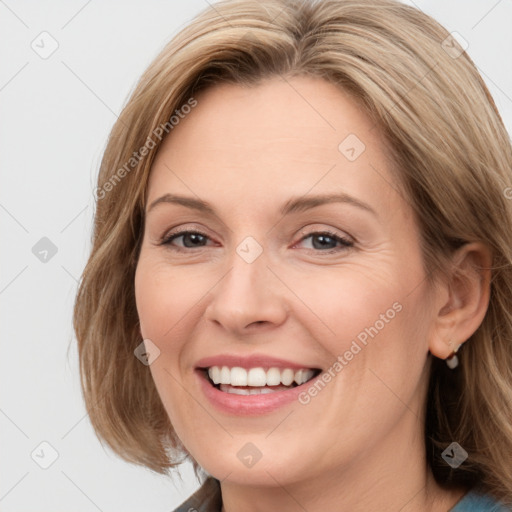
{"x":281,"y":138}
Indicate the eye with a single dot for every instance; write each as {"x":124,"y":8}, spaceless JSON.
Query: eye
{"x":326,"y":241}
{"x":321,"y":241}
{"x":190,"y":240}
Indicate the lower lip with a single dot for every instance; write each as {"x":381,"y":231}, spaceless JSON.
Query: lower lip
{"x":245,"y":405}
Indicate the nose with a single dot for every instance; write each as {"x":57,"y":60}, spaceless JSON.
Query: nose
{"x":248,"y":299}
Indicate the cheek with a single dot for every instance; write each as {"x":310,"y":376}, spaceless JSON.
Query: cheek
{"x":165,"y":305}
{"x":165,"y":300}
{"x":377,"y":328}
{"x":355,"y":302}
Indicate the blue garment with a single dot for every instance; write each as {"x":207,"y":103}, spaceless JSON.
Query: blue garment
{"x":208,"y":499}
{"x":474,"y":501}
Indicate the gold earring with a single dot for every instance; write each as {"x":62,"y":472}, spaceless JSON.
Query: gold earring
{"x":452,"y":361}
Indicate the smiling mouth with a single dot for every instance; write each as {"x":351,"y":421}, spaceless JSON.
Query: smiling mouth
{"x":257,"y":381}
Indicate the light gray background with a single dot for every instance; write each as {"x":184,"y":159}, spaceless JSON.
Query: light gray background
{"x":56,"y":114}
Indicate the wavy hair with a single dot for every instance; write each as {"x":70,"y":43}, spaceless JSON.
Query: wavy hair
{"x":450,"y":150}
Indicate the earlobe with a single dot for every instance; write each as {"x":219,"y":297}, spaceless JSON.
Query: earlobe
{"x":463,"y":301}
{"x":445,"y":347}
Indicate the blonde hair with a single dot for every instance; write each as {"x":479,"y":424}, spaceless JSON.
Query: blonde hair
{"x":450,"y":149}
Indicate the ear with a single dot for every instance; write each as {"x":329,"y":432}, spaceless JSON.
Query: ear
{"x":462,"y":300}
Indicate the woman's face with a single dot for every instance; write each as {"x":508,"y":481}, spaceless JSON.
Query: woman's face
{"x":248,"y":270}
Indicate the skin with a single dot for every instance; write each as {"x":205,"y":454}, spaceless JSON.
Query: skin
{"x":358,"y":445}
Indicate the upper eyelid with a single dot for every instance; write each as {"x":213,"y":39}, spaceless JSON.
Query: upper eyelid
{"x":178,"y":229}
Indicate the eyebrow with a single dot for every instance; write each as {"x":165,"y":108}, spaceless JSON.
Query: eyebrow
{"x":294,"y":205}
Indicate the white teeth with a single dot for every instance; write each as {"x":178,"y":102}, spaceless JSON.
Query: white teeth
{"x":251,"y":391}
{"x":287,"y":376}
{"x":238,"y":376}
{"x":302,"y":376}
{"x":273,"y":377}
{"x":214,"y":373}
{"x":225,"y":375}
{"x":258,"y":377}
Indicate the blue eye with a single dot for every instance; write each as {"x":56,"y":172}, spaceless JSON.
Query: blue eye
{"x":191,"y":239}
{"x":327,"y":241}
{"x":322,"y":241}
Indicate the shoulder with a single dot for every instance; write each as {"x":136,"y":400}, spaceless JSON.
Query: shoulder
{"x":206,"y":499}
{"x":475,"y":501}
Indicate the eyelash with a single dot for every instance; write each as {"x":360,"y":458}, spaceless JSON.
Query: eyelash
{"x":345,"y":242}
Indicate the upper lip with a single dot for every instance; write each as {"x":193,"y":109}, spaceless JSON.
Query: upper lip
{"x":249,"y":361}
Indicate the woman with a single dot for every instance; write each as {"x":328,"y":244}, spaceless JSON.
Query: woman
{"x":301,"y":271}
